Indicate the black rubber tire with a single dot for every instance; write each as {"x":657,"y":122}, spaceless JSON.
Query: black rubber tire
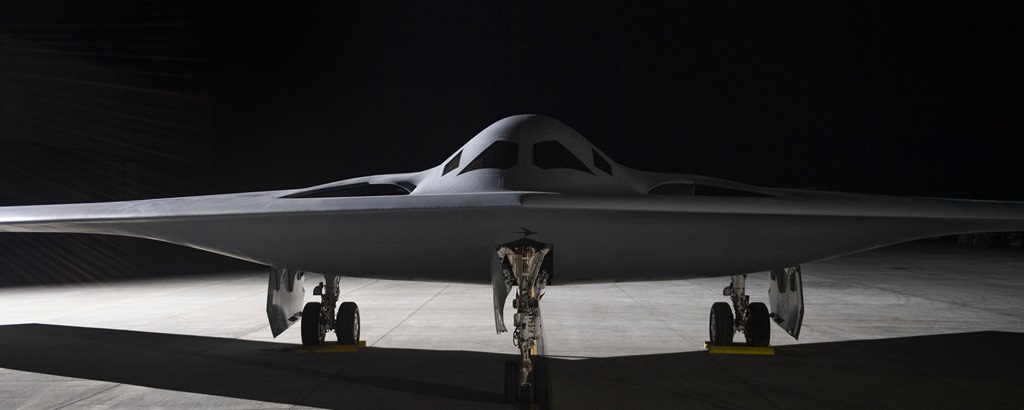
{"x":540,"y":383}
{"x":758,"y":325}
{"x":720,"y":324}
{"x":311,"y":325}
{"x":511,"y":381}
{"x":347,"y":325}
{"x":524,"y":397}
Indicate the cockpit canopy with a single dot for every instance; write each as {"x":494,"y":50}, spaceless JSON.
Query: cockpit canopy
{"x":551,"y":154}
{"x":530,"y":153}
{"x":526,"y":153}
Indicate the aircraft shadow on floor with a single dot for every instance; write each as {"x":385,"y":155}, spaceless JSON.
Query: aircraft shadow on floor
{"x":966,"y":370}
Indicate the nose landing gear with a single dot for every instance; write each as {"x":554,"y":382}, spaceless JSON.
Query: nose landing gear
{"x":525,"y":267}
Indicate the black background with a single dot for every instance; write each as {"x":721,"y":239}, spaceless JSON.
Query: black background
{"x":911,"y":98}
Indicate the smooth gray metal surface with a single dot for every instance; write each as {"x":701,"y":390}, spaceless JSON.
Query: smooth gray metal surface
{"x":285,"y":295}
{"x":447,"y":227}
{"x":786,"y":299}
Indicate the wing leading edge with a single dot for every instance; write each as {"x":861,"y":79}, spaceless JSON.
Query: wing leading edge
{"x":547,"y":182}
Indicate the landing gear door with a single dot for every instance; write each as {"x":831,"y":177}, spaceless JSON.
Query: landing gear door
{"x":786,"y":295}
{"x":284,"y":299}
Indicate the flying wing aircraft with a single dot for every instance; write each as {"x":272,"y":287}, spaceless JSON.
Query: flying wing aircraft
{"x":497,"y":210}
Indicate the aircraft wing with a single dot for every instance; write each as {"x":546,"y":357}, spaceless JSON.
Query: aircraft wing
{"x":266,"y":228}
{"x":526,"y":203}
{"x":527,"y":177}
{"x":451,"y":237}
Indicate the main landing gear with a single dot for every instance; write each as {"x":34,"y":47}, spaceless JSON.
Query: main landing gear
{"x":318,"y":318}
{"x":751,"y":319}
{"x":524,"y":265}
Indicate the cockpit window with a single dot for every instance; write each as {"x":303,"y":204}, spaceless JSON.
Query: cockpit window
{"x":600,"y":162}
{"x":451,"y":165}
{"x":552,"y":154}
{"x":500,"y":155}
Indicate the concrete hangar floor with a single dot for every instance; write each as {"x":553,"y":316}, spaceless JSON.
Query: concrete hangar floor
{"x":908,"y":326}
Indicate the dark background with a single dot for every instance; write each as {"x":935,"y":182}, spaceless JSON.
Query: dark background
{"x":917,"y":98}
{"x":106,"y":100}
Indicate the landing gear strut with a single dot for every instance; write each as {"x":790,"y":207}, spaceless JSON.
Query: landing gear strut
{"x":318,"y":318}
{"x":751,"y":319}
{"x":523,"y":265}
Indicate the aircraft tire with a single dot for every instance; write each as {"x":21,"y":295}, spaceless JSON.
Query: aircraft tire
{"x":540,"y":383}
{"x":311,"y":335}
{"x":511,"y":381}
{"x":524,"y":397}
{"x":758,"y":325}
{"x":347,"y":326}
{"x":720,"y":326}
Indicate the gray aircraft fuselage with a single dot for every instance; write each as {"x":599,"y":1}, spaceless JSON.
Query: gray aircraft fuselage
{"x":605,"y":221}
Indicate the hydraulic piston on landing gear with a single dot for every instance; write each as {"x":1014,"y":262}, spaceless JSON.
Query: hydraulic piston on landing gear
{"x":527,"y":265}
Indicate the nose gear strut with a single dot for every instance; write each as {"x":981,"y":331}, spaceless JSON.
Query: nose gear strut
{"x":523,"y":265}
